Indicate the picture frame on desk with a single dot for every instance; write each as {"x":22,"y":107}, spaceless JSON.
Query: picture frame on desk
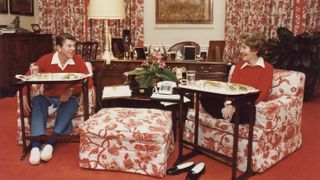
{"x":141,"y":55}
{"x":118,"y":48}
{"x":126,"y":37}
{"x":3,"y":6}
{"x":19,"y":7}
{"x":189,"y":53}
{"x":36,"y":28}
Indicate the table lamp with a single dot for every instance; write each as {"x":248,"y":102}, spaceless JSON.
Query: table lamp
{"x":106,"y":9}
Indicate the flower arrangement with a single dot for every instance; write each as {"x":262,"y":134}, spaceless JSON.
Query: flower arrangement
{"x":150,"y":69}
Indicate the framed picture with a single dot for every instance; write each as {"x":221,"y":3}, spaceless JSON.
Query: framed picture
{"x":36,"y":28}
{"x":3,"y":6}
{"x":184,"y":12}
{"x":21,"y":7}
{"x":189,"y":53}
{"x":117,"y":47}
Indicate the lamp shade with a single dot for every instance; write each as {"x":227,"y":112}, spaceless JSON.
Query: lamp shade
{"x":106,"y":9}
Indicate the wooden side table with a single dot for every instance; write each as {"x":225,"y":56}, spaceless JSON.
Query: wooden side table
{"x":27,"y":83}
{"x":196,"y":149}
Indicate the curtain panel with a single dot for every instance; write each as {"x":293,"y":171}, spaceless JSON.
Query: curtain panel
{"x":67,"y":16}
{"x":266,"y":17}
{"x":70,"y":16}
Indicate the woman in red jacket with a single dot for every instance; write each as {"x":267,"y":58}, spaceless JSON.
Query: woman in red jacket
{"x":252,"y":70}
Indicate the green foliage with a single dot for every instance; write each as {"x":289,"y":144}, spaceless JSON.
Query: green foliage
{"x":300,"y":53}
{"x":150,"y":69}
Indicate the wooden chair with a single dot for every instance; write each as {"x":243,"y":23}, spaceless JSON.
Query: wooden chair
{"x":180,"y":46}
{"x":215,"y":52}
{"x":87,"y":49}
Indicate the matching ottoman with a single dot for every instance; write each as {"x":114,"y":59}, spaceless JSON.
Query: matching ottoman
{"x":127,"y":139}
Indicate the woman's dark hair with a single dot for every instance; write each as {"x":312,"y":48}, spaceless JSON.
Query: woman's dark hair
{"x":255,"y":41}
{"x":61,"y":38}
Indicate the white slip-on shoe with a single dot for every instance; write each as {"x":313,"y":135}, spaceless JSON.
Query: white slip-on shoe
{"x":34,"y":158}
{"x":46,"y":152}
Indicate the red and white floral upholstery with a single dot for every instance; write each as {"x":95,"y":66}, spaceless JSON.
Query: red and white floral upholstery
{"x":76,"y":121}
{"x":277,"y":132}
{"x":127,"y":139}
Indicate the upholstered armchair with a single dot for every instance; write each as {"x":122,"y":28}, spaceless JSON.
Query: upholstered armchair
{"x":77,"y":120}
{"x":277,"y":130}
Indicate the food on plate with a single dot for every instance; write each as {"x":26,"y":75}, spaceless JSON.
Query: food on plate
{"x":238,"y":87}
{"x":70,"y":76}
{"x":213,"y":84}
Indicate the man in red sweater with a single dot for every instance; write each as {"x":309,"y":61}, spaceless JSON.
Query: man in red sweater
{"x":252,"y":70}
{"x":60,"y":96}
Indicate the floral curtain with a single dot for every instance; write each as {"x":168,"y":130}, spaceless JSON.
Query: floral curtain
{"x":265,"y":17}
{"x":67,"y":16}
{"x":133,"y":22}
{"x":71,"y":16}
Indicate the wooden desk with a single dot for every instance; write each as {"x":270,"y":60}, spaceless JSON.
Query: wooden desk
{"x":22,"y":84}
{"x":196,"y":149}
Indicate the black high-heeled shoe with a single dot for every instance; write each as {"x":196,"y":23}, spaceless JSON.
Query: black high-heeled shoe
{"x":184,"y":167}
{"x":196,"y":172}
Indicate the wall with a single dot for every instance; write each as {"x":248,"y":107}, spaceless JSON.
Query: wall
{"x":152,"y":35}
{"x":25,"y":21}
{"x":170,"y":36}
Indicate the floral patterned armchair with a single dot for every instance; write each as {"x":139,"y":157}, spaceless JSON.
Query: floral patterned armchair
{"x":77,"y":120}
{"x":277,"y":131}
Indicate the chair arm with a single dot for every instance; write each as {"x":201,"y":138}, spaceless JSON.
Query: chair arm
{"x":277,"y":113}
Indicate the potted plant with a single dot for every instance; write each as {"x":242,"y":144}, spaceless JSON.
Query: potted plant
{"x":151,"y":70}
{"x":299,"y":53}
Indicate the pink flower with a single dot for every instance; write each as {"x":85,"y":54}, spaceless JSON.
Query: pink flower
{"x":144,"y":63}
{"x":154,"y":59}
{"x":162,"y":64}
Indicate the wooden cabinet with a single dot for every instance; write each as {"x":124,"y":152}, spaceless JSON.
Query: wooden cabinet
{"x":112,"y":74}
{"x":17,"y":51}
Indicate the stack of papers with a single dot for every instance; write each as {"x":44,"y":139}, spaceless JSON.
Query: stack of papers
{"x":116,"y":91}
{"x":174,"y":97}
{"x":7,"y":31}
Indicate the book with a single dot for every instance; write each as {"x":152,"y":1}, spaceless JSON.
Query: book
{"x":7,"y":31}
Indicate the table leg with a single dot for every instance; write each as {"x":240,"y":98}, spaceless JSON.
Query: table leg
{"x":85,"y":99}
{"x":23,"y":133}
{"x":235,"y":143}
{"x":250,"y":138}
{"x":181,"y":125}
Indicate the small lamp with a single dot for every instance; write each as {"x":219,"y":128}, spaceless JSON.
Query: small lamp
{"x":106,"y":9}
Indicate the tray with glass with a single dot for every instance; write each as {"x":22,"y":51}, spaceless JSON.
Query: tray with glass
{"x":53,"y":77}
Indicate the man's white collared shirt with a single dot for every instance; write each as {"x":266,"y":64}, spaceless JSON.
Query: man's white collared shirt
{"x":56,"y":60}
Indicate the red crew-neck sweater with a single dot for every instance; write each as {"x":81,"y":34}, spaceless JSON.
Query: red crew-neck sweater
{"x":56,"y":90}
{"x":255,"y":76}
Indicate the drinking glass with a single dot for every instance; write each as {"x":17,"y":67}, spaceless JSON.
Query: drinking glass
{"x":34,"y":69}
{"x":191,"y":77}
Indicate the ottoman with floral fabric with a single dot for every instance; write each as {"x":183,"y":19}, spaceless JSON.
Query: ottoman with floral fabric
{"x":127,"y":139}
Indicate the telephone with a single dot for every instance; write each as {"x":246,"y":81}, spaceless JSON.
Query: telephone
{"x":165,"y":87}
